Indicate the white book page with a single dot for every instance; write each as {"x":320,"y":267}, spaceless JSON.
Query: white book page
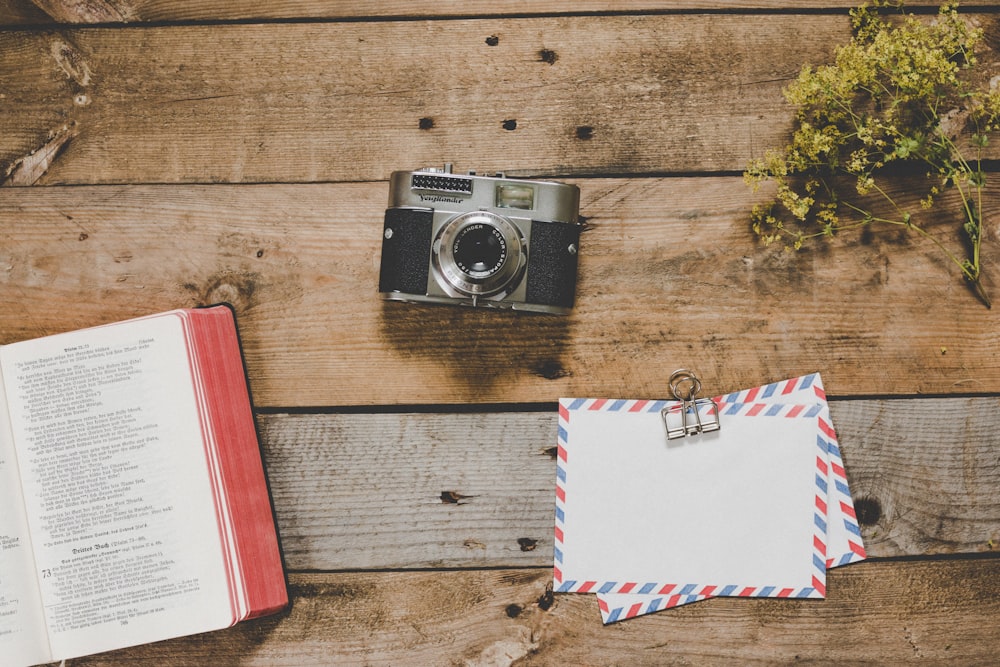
{"x":23,"y":640}
{"x":119,"y":499}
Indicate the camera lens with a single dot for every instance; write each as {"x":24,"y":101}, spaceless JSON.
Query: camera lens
{"x":479,"y":250}
{"x":479,"y":253}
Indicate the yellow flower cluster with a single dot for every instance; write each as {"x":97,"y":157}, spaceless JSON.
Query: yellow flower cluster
{"x":899,"y":92}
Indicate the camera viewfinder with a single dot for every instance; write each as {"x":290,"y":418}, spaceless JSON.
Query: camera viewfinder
{"x":514,"y":195}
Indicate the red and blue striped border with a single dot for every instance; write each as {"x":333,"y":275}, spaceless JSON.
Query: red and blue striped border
{"x":674,"y":594}
{"x":777,"y":389}
{"x":841,"y":494}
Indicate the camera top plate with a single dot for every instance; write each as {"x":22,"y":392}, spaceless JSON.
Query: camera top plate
{"x":521,"y":198}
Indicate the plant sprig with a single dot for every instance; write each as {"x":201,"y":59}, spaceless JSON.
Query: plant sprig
{"x":897,"y":94}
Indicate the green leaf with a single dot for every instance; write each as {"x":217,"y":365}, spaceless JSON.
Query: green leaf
{"x":906,"y":146}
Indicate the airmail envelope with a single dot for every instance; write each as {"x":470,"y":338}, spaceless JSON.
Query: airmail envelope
{"x":760,"y":508}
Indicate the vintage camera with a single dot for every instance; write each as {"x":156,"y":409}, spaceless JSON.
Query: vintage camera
{"x":480,"y":240}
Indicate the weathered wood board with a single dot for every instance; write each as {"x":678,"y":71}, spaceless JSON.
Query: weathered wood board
{"x":477,"y":490}
{"x":353,"y":101}
{"x":670,"y":276}
{"x":876,"y":613}
{"x":22,"y":12}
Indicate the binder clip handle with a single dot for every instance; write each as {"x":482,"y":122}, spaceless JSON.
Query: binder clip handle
{"x":685,"y":387}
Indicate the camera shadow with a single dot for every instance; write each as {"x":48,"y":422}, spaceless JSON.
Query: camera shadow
{"x":483,"y":349}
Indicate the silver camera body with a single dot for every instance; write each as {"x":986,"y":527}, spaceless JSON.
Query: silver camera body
{"x":480,"y":240}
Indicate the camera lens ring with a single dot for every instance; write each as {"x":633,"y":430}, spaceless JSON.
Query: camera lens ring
{"x":479,"y":250}
{"x":479,"y":253}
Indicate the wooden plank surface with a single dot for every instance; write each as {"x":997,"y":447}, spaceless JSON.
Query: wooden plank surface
{"x":34,"y":12}
{"x":353,"y":101}
{"x":670,"y":276}
{"x":477,"y":490}
{"x":876,"y":613}
{"x":306,"y":102}
{"x":619,"y":94}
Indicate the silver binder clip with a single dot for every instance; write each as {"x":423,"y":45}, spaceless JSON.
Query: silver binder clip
{"x":685,"y":417}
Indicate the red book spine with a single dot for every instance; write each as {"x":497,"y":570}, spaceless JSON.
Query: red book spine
{"x":230,"y":417}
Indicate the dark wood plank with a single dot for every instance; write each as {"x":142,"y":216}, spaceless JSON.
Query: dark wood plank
{"x":881,"y":613}
{"x":22,"y":12}
{"x":353,"y":101}
{"x":670,"y":276}
{"x":477,"y":490}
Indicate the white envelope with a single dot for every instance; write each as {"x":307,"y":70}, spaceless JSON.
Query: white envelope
{"x":760,"y":508}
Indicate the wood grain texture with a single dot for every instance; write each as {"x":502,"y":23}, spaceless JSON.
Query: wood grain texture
{"x":359,"y":491}
{"x":29,"y":12}
{"x":875,"y":613}
{"x":352,"y":101}
{"x":22,"y":13}
{"x":670,"y":276}
{"x":85,"y":11}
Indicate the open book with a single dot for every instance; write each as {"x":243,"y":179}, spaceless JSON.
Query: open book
{"x":134,"y":502}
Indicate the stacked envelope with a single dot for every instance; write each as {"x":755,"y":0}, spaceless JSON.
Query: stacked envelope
{"x":759,"y":508}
